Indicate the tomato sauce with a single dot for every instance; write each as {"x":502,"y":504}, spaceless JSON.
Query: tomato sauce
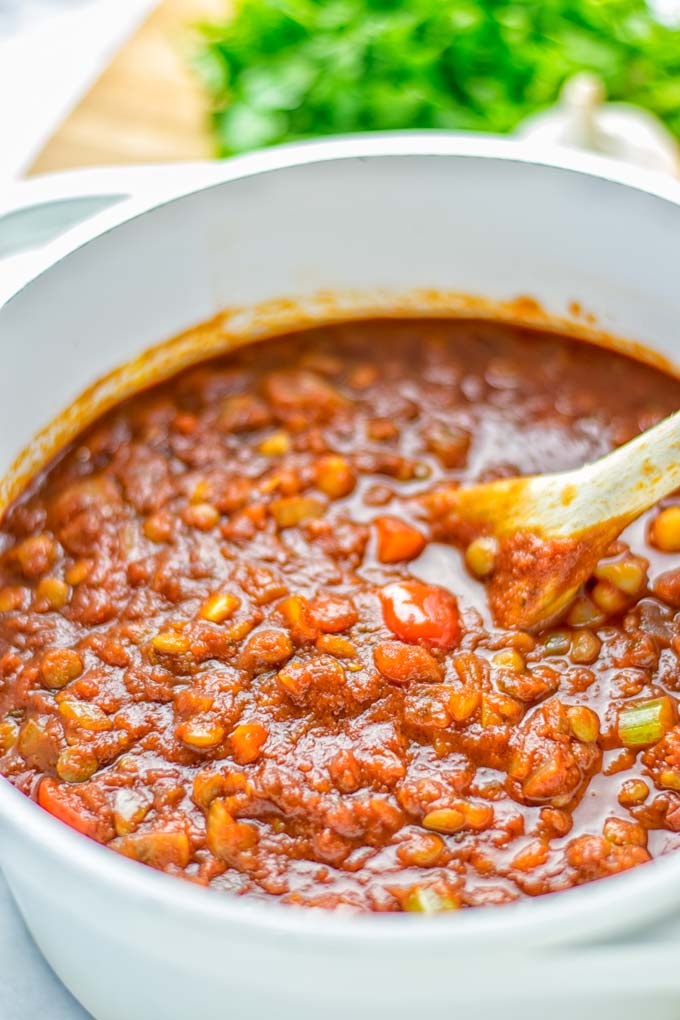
{"x":237,"y":643}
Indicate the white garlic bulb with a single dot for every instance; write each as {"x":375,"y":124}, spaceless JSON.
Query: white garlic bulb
{"x":583,"y":120}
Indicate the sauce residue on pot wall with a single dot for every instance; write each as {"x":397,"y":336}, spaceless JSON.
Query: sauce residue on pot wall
{"x":237,"y":326}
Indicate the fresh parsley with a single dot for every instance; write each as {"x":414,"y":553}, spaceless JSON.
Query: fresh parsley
{"x":280,"y":70}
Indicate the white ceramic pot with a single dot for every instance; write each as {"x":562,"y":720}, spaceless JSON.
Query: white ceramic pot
{"x":405,"y":221}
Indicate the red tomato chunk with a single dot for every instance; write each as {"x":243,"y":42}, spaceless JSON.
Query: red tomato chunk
{"x":421,"y":612}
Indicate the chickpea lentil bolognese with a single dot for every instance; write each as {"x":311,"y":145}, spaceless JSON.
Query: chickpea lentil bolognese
{"x":238,"y":645}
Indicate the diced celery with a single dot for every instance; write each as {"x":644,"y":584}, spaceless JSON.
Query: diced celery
{"x":646,"y":723}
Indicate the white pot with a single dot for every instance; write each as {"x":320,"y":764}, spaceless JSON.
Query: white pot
{"x":377,"y":221}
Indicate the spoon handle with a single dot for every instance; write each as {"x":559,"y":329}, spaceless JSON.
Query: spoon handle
{"x":618,"y":487}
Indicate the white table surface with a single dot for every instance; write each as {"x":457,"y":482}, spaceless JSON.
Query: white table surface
{"x":50,"y":53}
{"x":28,"y":988}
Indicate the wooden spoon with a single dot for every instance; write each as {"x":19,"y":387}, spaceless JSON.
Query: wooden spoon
{"x":551,"y":530}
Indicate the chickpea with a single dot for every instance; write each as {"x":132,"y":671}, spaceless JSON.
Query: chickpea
{"x":509,"y":658}
{"x":628,"y":575}
{"x":203,"y":516}
{"x":623,"y":832}
{"x":670,"y":779}
{"x":53,"y":592}
{"x":77,"y":572}
{"x":36,"y":555}
{"x":275,"y":445}
{"x":633,"y":793}
{"x":481,"y":555}
{"x":610,"y":599}
{"x":447,"y":820}
{"x":556,"y":642}
{"x":531,"y":856}
{"x":584,"y":723}
{"x":584,"y":613}
{"x":334,"y":476}
{"x":200,"y":734}
{"x":664,"y":532}
{"x":60,"y":666}
{"x":585,"y":648}
{"x":158,"y":527}
{"x":76,"y":765}
{"x":421,"y":851}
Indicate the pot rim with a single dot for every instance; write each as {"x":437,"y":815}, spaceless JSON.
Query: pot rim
{"x":635,"y":897}
{"x":180,"y":181}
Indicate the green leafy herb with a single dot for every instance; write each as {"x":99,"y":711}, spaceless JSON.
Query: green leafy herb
{"x":280,"y":70}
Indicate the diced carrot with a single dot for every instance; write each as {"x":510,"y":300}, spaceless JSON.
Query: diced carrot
{"x":52,"y":796}
{"x":397,"y":541}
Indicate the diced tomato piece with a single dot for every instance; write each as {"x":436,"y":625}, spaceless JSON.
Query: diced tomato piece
{"x":56,"y":799}
{"x":397,"y":541}
{"x":421,"y":612}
